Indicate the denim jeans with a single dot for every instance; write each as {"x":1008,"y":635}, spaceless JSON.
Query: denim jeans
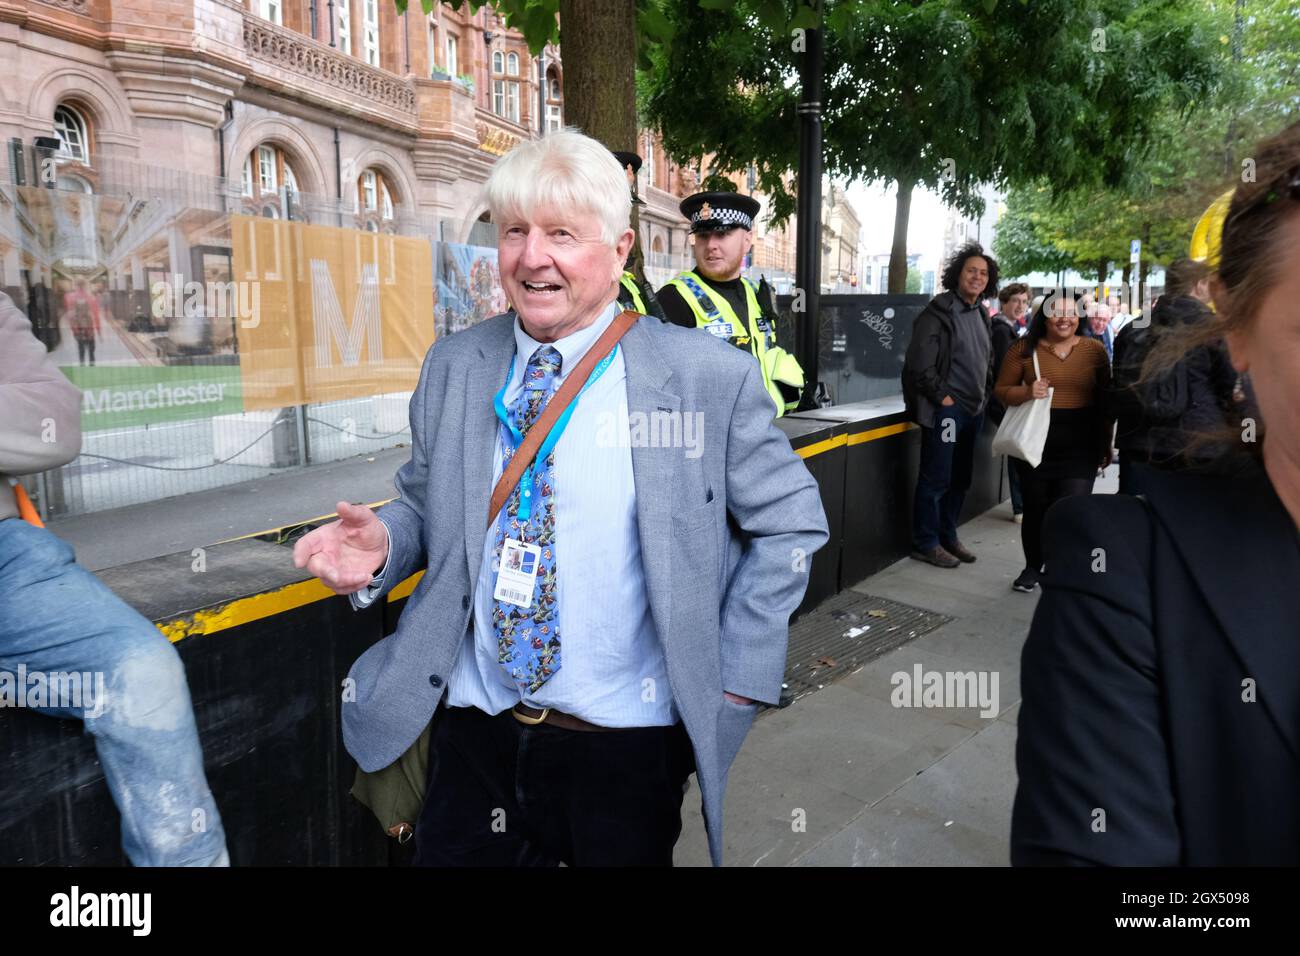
{"x":109,"y":667}
{"x":944,"y":476}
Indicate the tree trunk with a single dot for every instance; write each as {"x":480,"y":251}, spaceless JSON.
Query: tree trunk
{"x":898,"y":253}
{"x":1103,"y":272}
{"x":598,"y":46}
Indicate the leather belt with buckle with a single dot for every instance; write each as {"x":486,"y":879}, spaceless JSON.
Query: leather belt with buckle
{"x":554,"y":718}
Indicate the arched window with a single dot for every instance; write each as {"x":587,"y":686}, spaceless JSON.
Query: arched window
{"x":512,"y":64}
{"x":74,"y":184}
{"x":70,"y":128}
{"x":375,"y":206}
{"x":268,"y":184}
{"x":268,"y":173}
{"x":498,"y":61}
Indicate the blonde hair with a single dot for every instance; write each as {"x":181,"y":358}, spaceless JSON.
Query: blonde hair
{"x":565,"y":170}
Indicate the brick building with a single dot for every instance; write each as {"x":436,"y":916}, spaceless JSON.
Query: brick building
{"x":335,"y":111}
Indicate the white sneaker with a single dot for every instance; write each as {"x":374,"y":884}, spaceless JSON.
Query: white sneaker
{"x":1018,"y":519}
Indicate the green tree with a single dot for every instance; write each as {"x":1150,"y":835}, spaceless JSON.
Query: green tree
{"x":1194,"y":158}
{"x":947,"y":94}
{"x":1021,"y":244}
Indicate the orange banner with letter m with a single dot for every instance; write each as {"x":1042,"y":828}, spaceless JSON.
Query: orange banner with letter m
{"x":339,"y":313}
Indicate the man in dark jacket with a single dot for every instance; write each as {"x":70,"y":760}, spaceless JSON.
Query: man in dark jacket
{"x":1194,"y":396}
{"x":947,"y":379}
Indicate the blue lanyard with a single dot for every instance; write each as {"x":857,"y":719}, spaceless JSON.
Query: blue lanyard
{"x":498,"y":402}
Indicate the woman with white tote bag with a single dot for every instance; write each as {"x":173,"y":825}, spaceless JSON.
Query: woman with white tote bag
{"x":1053,"y":383}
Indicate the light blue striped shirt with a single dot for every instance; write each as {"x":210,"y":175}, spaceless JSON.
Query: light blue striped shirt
{"x":612,"y":667}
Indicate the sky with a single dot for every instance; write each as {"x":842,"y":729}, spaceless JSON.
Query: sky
{"x":875,"y":208}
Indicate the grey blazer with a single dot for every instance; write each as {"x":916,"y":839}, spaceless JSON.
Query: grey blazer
{"x":726,"y":540}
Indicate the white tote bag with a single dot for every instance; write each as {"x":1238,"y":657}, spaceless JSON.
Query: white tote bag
{"x":1023,"y":431}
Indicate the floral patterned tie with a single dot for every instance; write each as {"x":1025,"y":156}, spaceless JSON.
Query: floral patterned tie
{"x":528,"y":638}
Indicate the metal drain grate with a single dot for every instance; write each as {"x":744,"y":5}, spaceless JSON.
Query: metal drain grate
{"x":844,"y":633}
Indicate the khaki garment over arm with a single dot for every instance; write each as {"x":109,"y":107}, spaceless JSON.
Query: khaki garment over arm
{"x":41,"y":425}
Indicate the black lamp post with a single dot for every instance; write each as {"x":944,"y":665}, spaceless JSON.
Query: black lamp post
{"x":808,"y":249}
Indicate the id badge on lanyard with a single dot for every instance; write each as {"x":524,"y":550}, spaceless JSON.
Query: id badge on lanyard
{"x":517,"y":575}
{"x":519,"y":563}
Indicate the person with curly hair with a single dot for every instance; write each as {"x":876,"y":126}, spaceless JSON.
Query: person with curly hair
{"x":947,"y":382}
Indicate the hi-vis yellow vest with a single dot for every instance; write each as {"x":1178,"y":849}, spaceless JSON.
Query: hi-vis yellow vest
{"x":631,"y":291}
{"x":756,"y":334}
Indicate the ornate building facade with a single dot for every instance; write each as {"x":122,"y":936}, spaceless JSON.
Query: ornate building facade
{"x":342,"y":112}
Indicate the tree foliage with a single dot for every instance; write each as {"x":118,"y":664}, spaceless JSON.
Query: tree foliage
{"x":948,"y":94}
{"x":1194,"y":158}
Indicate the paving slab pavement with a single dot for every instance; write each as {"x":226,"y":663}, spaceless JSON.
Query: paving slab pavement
{"x":843,"y":778}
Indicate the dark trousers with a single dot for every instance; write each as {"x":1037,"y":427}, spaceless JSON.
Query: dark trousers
{"x":1013,"y":488}
{"x":947,"y":462}
{"x":85,"y":346}
{"x":504,"y":794}
{"x":1041,"y":493}
{"x":1132,"y":472}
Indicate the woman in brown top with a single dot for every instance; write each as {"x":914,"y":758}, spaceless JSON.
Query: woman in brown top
{"x":1079,"y":438}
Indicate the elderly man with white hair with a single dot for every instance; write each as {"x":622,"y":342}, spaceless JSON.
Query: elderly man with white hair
{"x":617,"y":622}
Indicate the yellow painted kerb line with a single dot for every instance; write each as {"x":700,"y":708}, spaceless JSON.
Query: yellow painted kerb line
{"x":260,"y":606}
{"x":821,"y":447}
{"x":883,"y":432}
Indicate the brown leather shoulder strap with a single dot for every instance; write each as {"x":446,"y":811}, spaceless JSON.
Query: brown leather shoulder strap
{"x":573,"y":383}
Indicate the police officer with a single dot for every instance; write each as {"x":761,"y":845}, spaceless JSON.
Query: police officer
{"x":635,"y":294}
{"x":714,"y":296}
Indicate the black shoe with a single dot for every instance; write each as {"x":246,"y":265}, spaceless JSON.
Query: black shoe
{"x":958,"y":551}
{"x":936,"y":556}
{"x":1027,"y":581}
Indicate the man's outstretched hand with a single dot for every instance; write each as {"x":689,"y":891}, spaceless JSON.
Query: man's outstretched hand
{"x":344,"y":554}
